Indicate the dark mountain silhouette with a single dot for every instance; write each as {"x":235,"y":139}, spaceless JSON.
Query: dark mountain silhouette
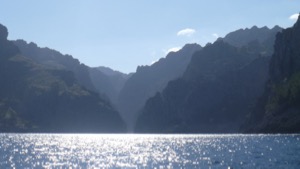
{"x":243,"y":37}
{"x":35,"y":97}
{"x":278,"y":110}
{"x":96,"y":79}
{"x":150,"y":79}
{"x":215,"y":94}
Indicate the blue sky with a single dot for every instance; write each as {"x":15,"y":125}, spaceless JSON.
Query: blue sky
{"x":123,"y":34}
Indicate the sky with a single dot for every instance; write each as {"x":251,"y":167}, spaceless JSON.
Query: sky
{"x":123,"y":34}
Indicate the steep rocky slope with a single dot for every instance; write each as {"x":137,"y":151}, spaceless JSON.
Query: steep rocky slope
{"x":278,"y":110}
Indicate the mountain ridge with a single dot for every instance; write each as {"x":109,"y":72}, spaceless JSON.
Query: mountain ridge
{"x":215,"y":93}
{"x":93,"y":79}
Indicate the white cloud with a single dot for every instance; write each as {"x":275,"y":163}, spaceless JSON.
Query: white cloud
{"x":215,"y":35}
{"x":294,"y":16}
{"x":174,"y":49}
{"x":165,"y":52}
{"x":186,"y":32}
{"x":154,"y":61}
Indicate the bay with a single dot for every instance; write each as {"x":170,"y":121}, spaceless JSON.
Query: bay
{"x":149,"y":151}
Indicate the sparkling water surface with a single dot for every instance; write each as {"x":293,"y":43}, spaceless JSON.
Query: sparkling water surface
{"x":148,"y":151}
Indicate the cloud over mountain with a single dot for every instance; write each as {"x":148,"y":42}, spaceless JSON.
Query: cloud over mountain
{"x":186,"y":32}
{"x":215,"y":35}
{"x":294,"y":16}
{"x":174,"y":49}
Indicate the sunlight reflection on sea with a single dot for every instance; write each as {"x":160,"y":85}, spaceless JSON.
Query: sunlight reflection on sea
{"x":148,"y":151}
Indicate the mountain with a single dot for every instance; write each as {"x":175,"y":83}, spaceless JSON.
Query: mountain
{"x":151,"y":79}
{"x":95,"y":79}
{"x":35,"y":97}
{"x":278,"y":110}
{"x":216,"y":92}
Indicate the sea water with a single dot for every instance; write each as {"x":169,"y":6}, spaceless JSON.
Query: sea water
{"x":149,"y":151}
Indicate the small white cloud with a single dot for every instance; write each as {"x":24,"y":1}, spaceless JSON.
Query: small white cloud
{"x":215,"y":35}
{"x":174,"y":49}
{"x":165,"y":52}
{"x":154,"y":61}
{"x":186,"y":32}
{"x":294,"y":16}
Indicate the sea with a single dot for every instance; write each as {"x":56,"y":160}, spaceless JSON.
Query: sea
{"x":207,"y":151}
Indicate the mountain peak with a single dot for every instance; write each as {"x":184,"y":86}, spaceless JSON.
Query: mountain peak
{"x":254,"y":27}
{"x":276,"y":27}
{"x":191,"y":46}
{"x":3,"y":32}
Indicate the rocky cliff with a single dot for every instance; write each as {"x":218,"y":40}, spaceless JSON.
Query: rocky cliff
{"x":278,"y":110}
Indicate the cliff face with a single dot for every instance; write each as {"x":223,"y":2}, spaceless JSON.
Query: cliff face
{"x":38,"y":98}
{"x":286,"y":59}
{"x":215,"y":94}
{"x":279,"y":107}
